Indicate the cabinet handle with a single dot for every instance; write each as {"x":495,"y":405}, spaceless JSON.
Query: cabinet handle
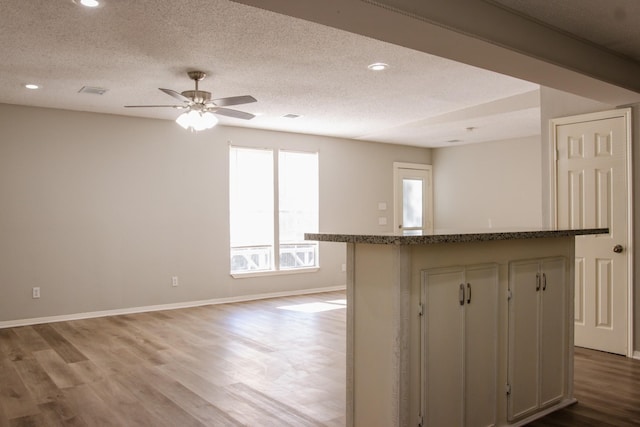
{"x":461,"y":294}
{"x":537,"y":282}
{"x":468,"y":293}
{"x":544,"y":281}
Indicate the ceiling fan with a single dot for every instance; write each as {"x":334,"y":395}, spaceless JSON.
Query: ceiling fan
{"x":199,"y":106}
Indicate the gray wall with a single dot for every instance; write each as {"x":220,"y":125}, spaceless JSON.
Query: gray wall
{"x":100,"y":211}
{"x":489,"y":185}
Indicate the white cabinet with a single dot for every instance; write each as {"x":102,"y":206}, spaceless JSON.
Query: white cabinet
{"x":459,"y":346}
{"x":537,"y":370}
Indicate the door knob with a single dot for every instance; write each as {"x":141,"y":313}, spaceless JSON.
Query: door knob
{"x":617,"y":249}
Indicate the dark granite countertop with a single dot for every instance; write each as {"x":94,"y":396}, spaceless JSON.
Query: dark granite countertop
{"x":448,"y":237}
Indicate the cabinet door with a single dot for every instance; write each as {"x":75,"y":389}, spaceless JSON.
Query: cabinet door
{"x":443,"y":337}
{"x":553,"y":331}
{"x":523,"y":374}
{"x":481,"y":328}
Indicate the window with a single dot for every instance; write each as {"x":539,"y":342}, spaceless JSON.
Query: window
{"x":273,"y":202}
{"x":251,"y":209}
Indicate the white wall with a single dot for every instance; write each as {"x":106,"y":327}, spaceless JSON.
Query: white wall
{"x":101,"y":210}
{"x":489,"y":185}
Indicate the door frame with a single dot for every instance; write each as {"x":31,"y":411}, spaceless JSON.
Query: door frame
{"x":397,"y":196}
{"x":601,"y":115}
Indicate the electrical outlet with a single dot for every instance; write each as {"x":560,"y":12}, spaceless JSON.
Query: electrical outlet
{"x":35,"y":293}
{"x":174,"y":281}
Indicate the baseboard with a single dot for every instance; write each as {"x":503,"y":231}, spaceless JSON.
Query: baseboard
{"x":563,"y":404}
{"x":172,"y":306}
{"x":636,"y":355}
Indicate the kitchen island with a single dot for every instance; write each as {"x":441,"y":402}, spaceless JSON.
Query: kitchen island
{"x":458,"y":329}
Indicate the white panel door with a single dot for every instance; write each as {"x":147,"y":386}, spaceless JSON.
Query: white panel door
{"x":592,"y":191}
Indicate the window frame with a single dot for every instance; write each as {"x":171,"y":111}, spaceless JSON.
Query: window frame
{"x":275,"y":268}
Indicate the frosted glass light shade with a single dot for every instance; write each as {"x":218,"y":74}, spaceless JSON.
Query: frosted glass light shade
{"x":196,"y":120}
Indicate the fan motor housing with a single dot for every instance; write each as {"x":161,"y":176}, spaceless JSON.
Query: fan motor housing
{"x":198,"y":96}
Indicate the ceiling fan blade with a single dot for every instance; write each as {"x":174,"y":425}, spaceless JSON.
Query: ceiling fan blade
{"x":175,"y":94}
{"x":143,"y":106}
{"x":234,"y":113}
{"x":233,"y":100}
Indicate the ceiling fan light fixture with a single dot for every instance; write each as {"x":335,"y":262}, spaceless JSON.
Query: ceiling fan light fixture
{"x":196,"y":121}
{"x":199,"y":108}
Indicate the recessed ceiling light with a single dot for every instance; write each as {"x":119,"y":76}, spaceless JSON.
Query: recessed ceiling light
{"x":31,"y":86}
{"x":378,"y":66}
{"x":87,"y":3}
{"x":292,"y":116}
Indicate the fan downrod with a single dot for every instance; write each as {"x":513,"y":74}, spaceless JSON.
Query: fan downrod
{"x":198,"y":96}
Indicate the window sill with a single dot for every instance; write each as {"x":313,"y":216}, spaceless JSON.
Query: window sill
{"x":274,"y":272}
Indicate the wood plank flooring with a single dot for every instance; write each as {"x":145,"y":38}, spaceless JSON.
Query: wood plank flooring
{"x":251,"y":363}
{"x":607,"y":387}
{"x":238,"y":364}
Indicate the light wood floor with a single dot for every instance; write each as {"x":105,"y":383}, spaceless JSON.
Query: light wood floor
{"x":227,"y":365}
{"x":252,"y":364}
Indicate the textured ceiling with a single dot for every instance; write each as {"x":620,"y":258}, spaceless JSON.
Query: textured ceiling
{"x":291,"y":66}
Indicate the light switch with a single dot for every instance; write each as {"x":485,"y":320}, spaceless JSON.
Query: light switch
{"x":382,"y":206}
